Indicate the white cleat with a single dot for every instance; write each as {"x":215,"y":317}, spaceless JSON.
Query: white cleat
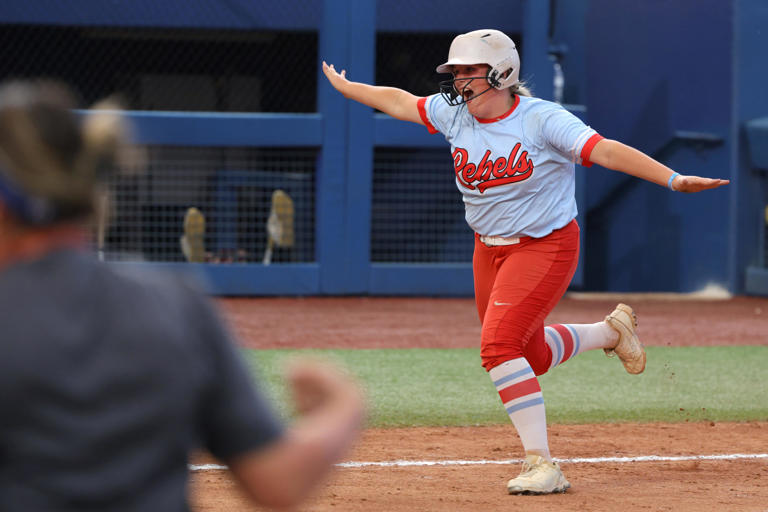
{"x":629,"y":349}
{"x":539,"y":476}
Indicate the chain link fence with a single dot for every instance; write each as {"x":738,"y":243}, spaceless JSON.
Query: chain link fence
{"x":232,"y":188}
{"x":170,"y":69}
{"x":418,"y":214}
{"x":189,"y":70}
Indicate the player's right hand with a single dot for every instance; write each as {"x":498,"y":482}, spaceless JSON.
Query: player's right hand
{"x":338,"y":80}
{"x":320,"y":387}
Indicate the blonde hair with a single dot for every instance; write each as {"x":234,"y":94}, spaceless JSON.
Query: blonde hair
{"x":520,"y":88}
{"x":49,"y":155}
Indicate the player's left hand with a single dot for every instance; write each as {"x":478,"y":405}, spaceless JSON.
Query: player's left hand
{"x":689,"y":184}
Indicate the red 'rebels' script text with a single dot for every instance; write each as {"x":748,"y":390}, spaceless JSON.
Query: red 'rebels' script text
{"x":492,"y":173}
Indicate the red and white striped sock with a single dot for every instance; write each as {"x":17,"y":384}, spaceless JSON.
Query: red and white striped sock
{"x":568,"y":340}
{"x":520,"y":393}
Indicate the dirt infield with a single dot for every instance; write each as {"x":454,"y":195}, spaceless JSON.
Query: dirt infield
{"x":453,"y":323}
{"x":598,"y":485}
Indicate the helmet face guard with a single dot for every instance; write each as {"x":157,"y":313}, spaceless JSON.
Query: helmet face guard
{"x":455,"y":97}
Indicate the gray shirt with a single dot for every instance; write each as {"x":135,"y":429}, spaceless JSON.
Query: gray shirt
{"x":107,"y":381}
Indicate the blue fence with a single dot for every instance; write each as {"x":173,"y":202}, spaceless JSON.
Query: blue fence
{"x":640,"y":73}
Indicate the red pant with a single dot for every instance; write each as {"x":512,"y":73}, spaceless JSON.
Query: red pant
{"x":516,"y":287}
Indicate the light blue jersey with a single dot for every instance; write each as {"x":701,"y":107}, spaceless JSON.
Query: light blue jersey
{"x":516,"y":172}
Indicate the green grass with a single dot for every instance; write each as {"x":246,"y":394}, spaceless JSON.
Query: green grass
{"x":448,"y":387}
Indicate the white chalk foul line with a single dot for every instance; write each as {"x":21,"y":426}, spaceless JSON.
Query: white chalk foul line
{"x":577,"y":460}
{"x":207,"y":467}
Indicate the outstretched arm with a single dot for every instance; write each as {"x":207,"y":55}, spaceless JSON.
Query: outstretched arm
{"x":620,"y":157}
{"x":397,"y":103}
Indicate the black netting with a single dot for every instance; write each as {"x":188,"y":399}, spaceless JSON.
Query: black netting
{"x":171,"y":69}
{"x":417,"y":213}
{"x":408,"y":60}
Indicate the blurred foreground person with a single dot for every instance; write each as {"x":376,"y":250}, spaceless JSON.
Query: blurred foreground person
{"x":110,"y":378}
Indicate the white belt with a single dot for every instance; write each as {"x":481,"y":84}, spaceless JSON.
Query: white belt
{"x":499,"y":240}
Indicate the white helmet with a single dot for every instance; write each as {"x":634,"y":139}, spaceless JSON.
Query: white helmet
{"x":490,"y":47}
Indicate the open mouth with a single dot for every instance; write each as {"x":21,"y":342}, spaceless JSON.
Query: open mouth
{"x":458,"y":91}
{"x":467,"y":93}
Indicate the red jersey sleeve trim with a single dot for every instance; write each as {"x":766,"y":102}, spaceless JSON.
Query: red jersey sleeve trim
{"x":586,"y":151}
{"x":423,"y":114}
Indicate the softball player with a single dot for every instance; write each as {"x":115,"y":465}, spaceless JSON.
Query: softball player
{"x":514,"y":159}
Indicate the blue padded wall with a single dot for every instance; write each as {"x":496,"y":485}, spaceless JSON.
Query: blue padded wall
{"x":654,"y":83}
